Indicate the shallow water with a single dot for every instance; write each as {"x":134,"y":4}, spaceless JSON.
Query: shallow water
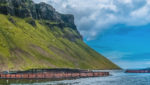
{"x":117,"y":78}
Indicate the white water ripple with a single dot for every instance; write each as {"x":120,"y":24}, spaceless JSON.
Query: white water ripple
{"x":117,"y":78}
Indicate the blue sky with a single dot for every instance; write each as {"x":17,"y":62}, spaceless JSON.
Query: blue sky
{"x":127,"y":48}
{"x":118,"y":29}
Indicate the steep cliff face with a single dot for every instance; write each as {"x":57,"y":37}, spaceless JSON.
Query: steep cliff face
{"x":27,"y":8}
{"x":41,"y":11}
{"x":36,"y":36}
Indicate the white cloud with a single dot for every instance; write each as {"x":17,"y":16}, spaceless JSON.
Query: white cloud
{"x":94,"y":16}
{"x":125,"y":1}
{"x":114,"y":55}
{"x":37,"y":1}
{"x":133,"y":64}
{"x":140,"y":13}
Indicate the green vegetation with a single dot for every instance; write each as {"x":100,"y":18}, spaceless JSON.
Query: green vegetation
{"x":24,"y":46}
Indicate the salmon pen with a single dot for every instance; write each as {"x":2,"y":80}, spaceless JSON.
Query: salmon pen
{"x":51,"y":74}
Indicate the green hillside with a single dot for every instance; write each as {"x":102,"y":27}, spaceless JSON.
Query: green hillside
{"x":27,"y":43}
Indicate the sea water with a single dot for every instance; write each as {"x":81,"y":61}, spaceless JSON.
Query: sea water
{"x":116,"y":78}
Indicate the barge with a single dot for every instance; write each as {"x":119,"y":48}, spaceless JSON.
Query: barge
{"x":51,"y":74}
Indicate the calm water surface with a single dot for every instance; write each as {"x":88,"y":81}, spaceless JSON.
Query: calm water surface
{"x":117,"y":78}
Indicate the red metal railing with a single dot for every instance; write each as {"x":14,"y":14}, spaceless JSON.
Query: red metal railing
{"x":53,"y":75}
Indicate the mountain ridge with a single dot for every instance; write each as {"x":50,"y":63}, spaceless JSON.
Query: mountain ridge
{"x":36,"y":36}
{"x":27,"y":8}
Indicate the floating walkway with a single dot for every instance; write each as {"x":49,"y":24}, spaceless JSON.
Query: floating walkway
{"x":51,"y":74}
{"x":137,"y":71}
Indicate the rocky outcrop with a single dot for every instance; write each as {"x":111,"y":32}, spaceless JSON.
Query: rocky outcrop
{"x":20,"y":8}
{"x":27,"y":8}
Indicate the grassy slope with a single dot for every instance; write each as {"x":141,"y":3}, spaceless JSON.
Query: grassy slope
{"x":23,"y":46}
